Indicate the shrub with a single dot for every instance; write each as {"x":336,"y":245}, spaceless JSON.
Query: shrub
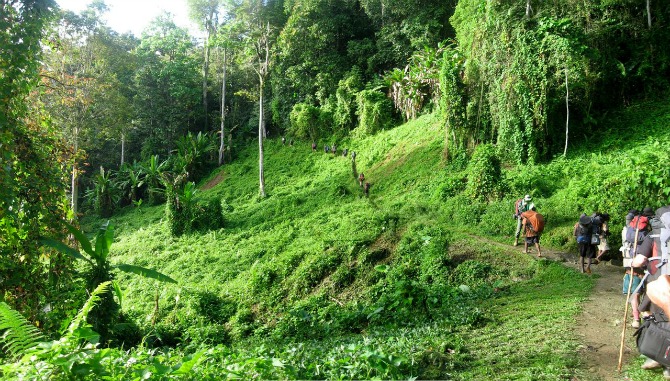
{"x":374,"y":112}
{"x":484,"y":174}
{"x":304,"y":121}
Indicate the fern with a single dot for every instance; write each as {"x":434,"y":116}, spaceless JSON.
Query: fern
{"x":88,"y":306}
{"x":20,"y":335}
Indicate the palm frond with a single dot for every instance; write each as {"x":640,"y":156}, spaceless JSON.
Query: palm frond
{"x":88,"y":306}
{"x":19,"y":334}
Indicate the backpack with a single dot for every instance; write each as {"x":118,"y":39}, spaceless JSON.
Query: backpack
{"x":584,"y":230}
{"x":640,"y":224}
{"x":536,"y":221}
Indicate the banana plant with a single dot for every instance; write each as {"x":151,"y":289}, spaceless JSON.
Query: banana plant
{"x":153,"y":171}
{"x":96,"y":254}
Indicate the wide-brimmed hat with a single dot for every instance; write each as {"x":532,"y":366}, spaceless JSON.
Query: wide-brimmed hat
{"x":648,"y":212}
{"x":527,"y":197}
{"x":585,"y":220}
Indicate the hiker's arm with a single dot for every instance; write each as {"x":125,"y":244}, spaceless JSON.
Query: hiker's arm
{"x":639,"y":261}
{"x":659,"y":293}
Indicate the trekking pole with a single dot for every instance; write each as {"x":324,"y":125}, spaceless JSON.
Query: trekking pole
{"x":630,"y":285}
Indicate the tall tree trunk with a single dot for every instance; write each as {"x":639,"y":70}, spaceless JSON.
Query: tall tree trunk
{"x":205,"y":72}
{"x":529,"y":9}
{"x":649,"y":13}
{"x":223,"y":106}
{"x":261,"y":124}
{"x":74,"y":202}
{"x":123,"y":148}
{"x":567,"y":112}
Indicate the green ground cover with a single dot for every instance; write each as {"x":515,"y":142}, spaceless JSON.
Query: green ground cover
{"x":318,"y":281}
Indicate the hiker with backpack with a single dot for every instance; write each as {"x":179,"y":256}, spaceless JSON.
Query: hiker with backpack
{"x":583,"y":232}
{"x":521,"y":205}
{"x":633,"y":231}
{"x":652,"y":252}
{"x":533,"y":225}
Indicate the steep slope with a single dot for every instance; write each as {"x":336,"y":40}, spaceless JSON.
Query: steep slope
{"x":318,"y":260}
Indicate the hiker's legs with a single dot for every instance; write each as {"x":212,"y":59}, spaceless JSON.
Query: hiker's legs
{"x":537,"y":246}
{"x":635,"y":305}
{"x":525,"y":246}
{"x":518,"y":230}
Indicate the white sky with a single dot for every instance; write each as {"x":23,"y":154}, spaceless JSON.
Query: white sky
{"x":135,"y":15}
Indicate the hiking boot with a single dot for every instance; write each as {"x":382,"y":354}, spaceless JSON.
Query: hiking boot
{"x":651,"y":364}
{"x":636,"y":323}
{"x":516,"y":242}
{"x":588,"y":270}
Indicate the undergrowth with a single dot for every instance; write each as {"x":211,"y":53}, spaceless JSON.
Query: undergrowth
{"x":318,"y":281}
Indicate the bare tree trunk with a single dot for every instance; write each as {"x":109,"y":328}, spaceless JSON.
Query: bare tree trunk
{"x":223,"y":106}
{"x":205,"y":72}
{"x":529,"y":9}
{"x":261,"y":173}
{"x":567,"y":112}
{"x":123,"y":148}
{"x":75,"y":175}
{"x":649,"y":13}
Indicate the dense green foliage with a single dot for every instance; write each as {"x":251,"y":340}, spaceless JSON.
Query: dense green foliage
{"x":312,"y":279}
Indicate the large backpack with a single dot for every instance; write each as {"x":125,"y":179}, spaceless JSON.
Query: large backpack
{"x":536,"y":221}
{"x":584,"y":230}
{"x":639,"y":224}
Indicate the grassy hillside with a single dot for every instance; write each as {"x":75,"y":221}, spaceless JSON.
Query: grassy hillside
{"x":394,"y":285}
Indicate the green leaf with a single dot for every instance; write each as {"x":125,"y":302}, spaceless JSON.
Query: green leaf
{"x":188,"y":365}
{"x":81,"y":238}
{"x":87,"y":333}
{"x":145,"y":272}
{"x":103,"y":241}
{"x":117,"y":290}
{"x":63,"y":248}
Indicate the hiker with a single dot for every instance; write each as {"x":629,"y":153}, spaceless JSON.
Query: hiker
{"x":603,"y":247}
{"x":334,"y":149}
{"x":353,"y":155}
{"x":521,"y":205}
{"x":637,"y":270}
{"x":283,"y":140}
{"x":313,"y":146}
{"x":344,"y":153}
{"x":653,"y":253}
{"x":533,"y":225}
{"x":583,"y":234}
{"x":326,"y":149}
{"x":361,"y":178}
{"x":366,"y":189}
{"x":658,"y":292}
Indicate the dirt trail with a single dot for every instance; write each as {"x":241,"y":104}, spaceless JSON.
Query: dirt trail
{"x":600,"y":324}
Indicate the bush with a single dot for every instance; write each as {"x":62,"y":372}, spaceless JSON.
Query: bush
{"x":374,"y":112}
{"x":484,"y":174}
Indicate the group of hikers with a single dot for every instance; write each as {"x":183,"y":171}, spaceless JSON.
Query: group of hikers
{"x":646,"y":280}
